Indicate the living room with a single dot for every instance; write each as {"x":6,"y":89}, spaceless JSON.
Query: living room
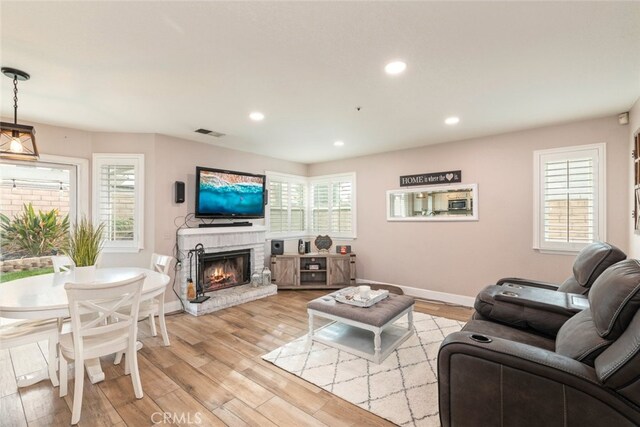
{"x":139,"y":79}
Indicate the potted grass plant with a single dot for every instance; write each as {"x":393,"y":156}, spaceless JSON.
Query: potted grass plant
{"x":85,"y":244}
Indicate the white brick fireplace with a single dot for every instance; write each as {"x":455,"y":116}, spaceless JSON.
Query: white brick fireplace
{"x":223,"y":239}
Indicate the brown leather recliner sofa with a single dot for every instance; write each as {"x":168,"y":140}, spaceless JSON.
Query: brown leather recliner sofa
{"x":492,"y":374}
{"x":541,"y":306}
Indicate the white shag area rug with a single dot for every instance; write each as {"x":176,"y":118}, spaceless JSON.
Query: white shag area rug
{"x":403,"y":389}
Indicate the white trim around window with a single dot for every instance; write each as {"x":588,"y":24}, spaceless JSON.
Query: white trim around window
{"x":120,"y":200}
{"x":569,"y":197}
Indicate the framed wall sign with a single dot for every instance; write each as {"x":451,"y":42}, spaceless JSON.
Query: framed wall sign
{"x":432,"y":178}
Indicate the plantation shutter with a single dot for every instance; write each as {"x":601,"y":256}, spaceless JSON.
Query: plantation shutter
{"x":320,"y":208}
{"x":287,"y":205}
{"x":278,"y":193}
{"x":569,"y":201}
{"x":332,"y":206}
{"x":341,"y":207}
{"x":297,"y":205}
{"x":118,"y":199}
{"x":570,"y":192}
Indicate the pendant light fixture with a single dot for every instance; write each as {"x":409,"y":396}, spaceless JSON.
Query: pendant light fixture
{"x":17,"y":142}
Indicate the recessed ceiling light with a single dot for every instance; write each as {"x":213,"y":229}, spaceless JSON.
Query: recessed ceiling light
{"x":338,"y":143}
{"x":395,"y":67}
{"x":453,"y":120}
{"x":256,"y":116}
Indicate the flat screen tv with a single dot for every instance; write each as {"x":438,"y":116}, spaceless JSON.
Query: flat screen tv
{"x":228,"y":194}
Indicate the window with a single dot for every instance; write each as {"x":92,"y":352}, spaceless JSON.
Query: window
{"x":118,"y":200}
{"x":300,"y":206}
{"x":53,"y":182}
{"x":569,"y":191}
{"x":287,"y":204}
{"x":332,"y":205}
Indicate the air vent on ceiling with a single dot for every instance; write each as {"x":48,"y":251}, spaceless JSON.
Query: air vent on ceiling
{"x":210,"y":133}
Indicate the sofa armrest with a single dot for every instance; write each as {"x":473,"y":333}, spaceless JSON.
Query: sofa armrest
{"x":527,"y":282}
{"x":490,"y":381}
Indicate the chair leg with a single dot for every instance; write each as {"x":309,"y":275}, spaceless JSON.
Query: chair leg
{"x":77,"y":391}
{"x":127,"y":367}
{"x":118,"y":358}
{"x":152,"y":325}
{"x":64,"y":380}
{"x":53,"y":354}
{"x":163,"y":324}
{"x":132,"y":361}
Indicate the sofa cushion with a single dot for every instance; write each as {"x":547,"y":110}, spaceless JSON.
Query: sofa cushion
{"x":579,"y":339}
{"x":592,"y":261}
{"x":615,"y":298}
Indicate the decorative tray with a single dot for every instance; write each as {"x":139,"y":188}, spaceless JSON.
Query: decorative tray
{"x":351,"y":296}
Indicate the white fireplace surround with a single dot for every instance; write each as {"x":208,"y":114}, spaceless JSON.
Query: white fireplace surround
{"x":223,"y":239}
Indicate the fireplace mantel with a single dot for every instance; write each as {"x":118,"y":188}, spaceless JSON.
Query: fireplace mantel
{"x":221,"y":239}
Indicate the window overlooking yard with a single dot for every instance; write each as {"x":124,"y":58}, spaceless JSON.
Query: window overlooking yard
{"x":45,"y":188}
{"x":569,"y":197}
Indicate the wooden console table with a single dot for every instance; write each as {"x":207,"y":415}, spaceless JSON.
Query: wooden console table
{"x":313,"y":271}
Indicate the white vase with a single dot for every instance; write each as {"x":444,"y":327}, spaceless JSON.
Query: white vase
{"x":85,"y":274}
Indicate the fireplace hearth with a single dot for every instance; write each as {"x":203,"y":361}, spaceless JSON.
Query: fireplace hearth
{"x":221,"y":270}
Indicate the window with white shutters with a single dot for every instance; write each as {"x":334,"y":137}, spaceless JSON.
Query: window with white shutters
{"x":300,"y":206}
{"x":287,"y":205}
{"x":332,"y":205}
{"x":569,"y":197}
{"x":118,"y":196}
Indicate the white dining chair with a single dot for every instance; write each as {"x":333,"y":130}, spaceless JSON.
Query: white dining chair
{"x":61,"y":263}
{"x":14,"y":333}
{"x":155,"y":306}
{"x":114,"y":328}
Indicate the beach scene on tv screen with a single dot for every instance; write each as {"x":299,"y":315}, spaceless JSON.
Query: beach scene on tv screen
{"x":230,"y":194}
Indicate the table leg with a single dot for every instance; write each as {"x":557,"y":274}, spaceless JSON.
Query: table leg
{"x":310,"y":334}
{"x":410,"y":326}
{"x":377,"y":344}
{"x":94,"y":370}
{"x":32,"y":378}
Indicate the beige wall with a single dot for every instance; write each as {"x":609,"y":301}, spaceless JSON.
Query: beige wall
{"x":634,"y":128}
{"x":462,"y":257}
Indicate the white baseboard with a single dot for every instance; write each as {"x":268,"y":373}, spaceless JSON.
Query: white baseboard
{"x":427,"y":294}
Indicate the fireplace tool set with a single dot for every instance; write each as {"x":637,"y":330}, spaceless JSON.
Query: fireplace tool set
{"x":195,"y":294}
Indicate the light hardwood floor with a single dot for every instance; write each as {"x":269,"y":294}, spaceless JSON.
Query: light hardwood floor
{"x":212,"y":374}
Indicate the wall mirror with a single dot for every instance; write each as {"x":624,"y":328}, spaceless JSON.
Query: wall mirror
{"x":457,"y":202}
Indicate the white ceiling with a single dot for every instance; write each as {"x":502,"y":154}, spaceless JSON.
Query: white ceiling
{"x":173,"y":67}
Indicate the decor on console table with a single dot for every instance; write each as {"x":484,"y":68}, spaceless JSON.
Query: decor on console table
{"x":323,"y":243}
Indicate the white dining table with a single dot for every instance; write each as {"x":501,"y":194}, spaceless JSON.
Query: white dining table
{"x":43,"y":297}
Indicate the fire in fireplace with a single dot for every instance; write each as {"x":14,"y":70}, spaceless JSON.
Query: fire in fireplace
{"x":225,"y":269}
